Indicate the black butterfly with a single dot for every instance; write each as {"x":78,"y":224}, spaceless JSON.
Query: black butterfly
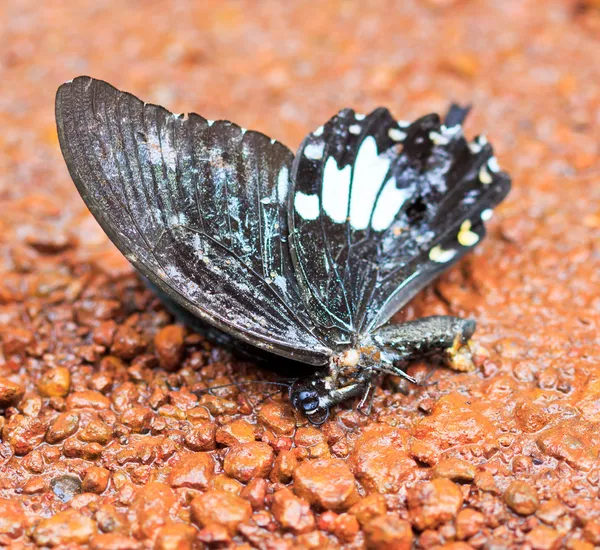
{"x":306,"y":257}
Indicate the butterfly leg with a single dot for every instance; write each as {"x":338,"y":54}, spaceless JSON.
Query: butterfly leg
{"x":365,"y":405}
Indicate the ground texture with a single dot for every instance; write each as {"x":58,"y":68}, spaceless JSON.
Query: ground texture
{"x":103,"y":444}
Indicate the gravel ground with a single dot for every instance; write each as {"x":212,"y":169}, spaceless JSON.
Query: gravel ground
{"x":103,"y":444}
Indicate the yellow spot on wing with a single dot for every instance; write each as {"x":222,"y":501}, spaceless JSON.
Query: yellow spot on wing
{"x":466,"y":237}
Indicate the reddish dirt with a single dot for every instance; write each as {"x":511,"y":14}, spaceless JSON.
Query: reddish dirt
{"x":103,"y":444}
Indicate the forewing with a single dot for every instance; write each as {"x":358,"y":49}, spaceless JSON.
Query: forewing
{"x":379,"y":208}
{"x":199,"y":208}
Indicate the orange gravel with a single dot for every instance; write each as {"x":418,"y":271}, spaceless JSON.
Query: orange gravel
{"x":104,"y":445}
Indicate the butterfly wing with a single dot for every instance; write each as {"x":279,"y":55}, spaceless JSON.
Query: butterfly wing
{"x":199,"y":208}
{"x":380,"y":208}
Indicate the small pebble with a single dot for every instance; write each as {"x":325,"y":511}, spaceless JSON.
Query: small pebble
{"x":369,"y":508}
{"x":65,"y":425}
{"x":433,"y":503}
{"x":138,"y":419}
{"x":284,"y":466}
{"x":221,"y":508}
{"x":237,"y":431}
{"x":15,"y":340}
{"x":278,"y":417}
{"x":455,"y":469}
{"x":114,"y":541}
{"x":88,"y":399}
{"x":170,"y":347}
{"x":249,"y":460}
{"x":128,"y":343}
{"x":10,"y":393}
{"x":326,"y":483}
{"x":177,"y":536}
{"x":64,"y":528}
{"x":201,"y":437}
{"x":468,"y":523}
{"x":95,"y":480}
{"x":55,"y":382}
{"x":12,"y":518}
{"x":551,"y":511}
{"x":152,"y":507}
{"x":292,"y":512}
{"x":194,"y":470}
{"x":388,"y":532}
{"x":521,"y":498}
{"x":65,"y":487}
{"x":543,"y":537}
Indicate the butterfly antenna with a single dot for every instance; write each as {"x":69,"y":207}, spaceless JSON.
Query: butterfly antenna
{"x":239,"y":384}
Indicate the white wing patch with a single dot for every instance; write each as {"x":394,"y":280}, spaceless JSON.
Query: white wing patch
{"x":335,"y":191}
{"x":283,"y":184}
{"x":314,"y":151}
{"x":307,"y":206}
{"x":370,"y":170}
{"x":388,"y":205}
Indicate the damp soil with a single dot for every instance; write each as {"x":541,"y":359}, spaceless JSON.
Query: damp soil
{"x":104,"y":445}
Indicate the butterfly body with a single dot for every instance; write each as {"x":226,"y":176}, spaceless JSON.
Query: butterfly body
{"x":304,"y":256}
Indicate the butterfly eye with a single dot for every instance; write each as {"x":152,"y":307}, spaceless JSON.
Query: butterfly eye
{"x":309,"y":400}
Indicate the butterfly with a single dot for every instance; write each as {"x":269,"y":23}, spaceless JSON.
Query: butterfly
{"x":306,"y":257}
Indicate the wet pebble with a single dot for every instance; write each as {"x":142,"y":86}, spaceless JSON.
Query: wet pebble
{"x":380,"y":461}
{"x":551,"y":511}
{"x":278,"y":417}
{"x":170,"y":347}
{"x":138,"y":419}
{"x":24,"y":434}
{"x":521,"y":498}
{"x":201,"y":437}
{"x":249,"y":460}
{"x":455,"y":469}
{"x":65,"y":425}
{"x":68,"y":527}
{"x":223,"y":482}
{"x":88,"y":399}
{"x":345,"y":527}
{"x":114,"y":541}
{"x":55,"y":382}
{"x":221,"y":508}
{"x":95,"y":480}
{"x":468,"y":523}
{"x":11,"y":393}
{"x":152,"y":506}
{"x":66,"y":487}
{"x":543,"y":537}
{"x":177,"y":536}
{"x":95,"y":431}
{"x":12,"y":518}
{"x":237,"y":431}
{"x":291,"y":512}
{"x":128,"y":343}
{"x":433,"y":503}
{"x":388,"y":532}
{"x":255,"y":493}
{"x":591,"y":531}
{"x":326,"y":483}
{"x":15,"y":339}
{"x":194,"y":470}
{"x":284,"y":467}
{"x":369,"y":508}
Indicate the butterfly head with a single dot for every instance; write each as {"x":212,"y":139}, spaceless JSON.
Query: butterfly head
{"x":311,"y":397}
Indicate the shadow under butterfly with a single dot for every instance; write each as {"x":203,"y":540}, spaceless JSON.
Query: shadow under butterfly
{"x":305,"y":257}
